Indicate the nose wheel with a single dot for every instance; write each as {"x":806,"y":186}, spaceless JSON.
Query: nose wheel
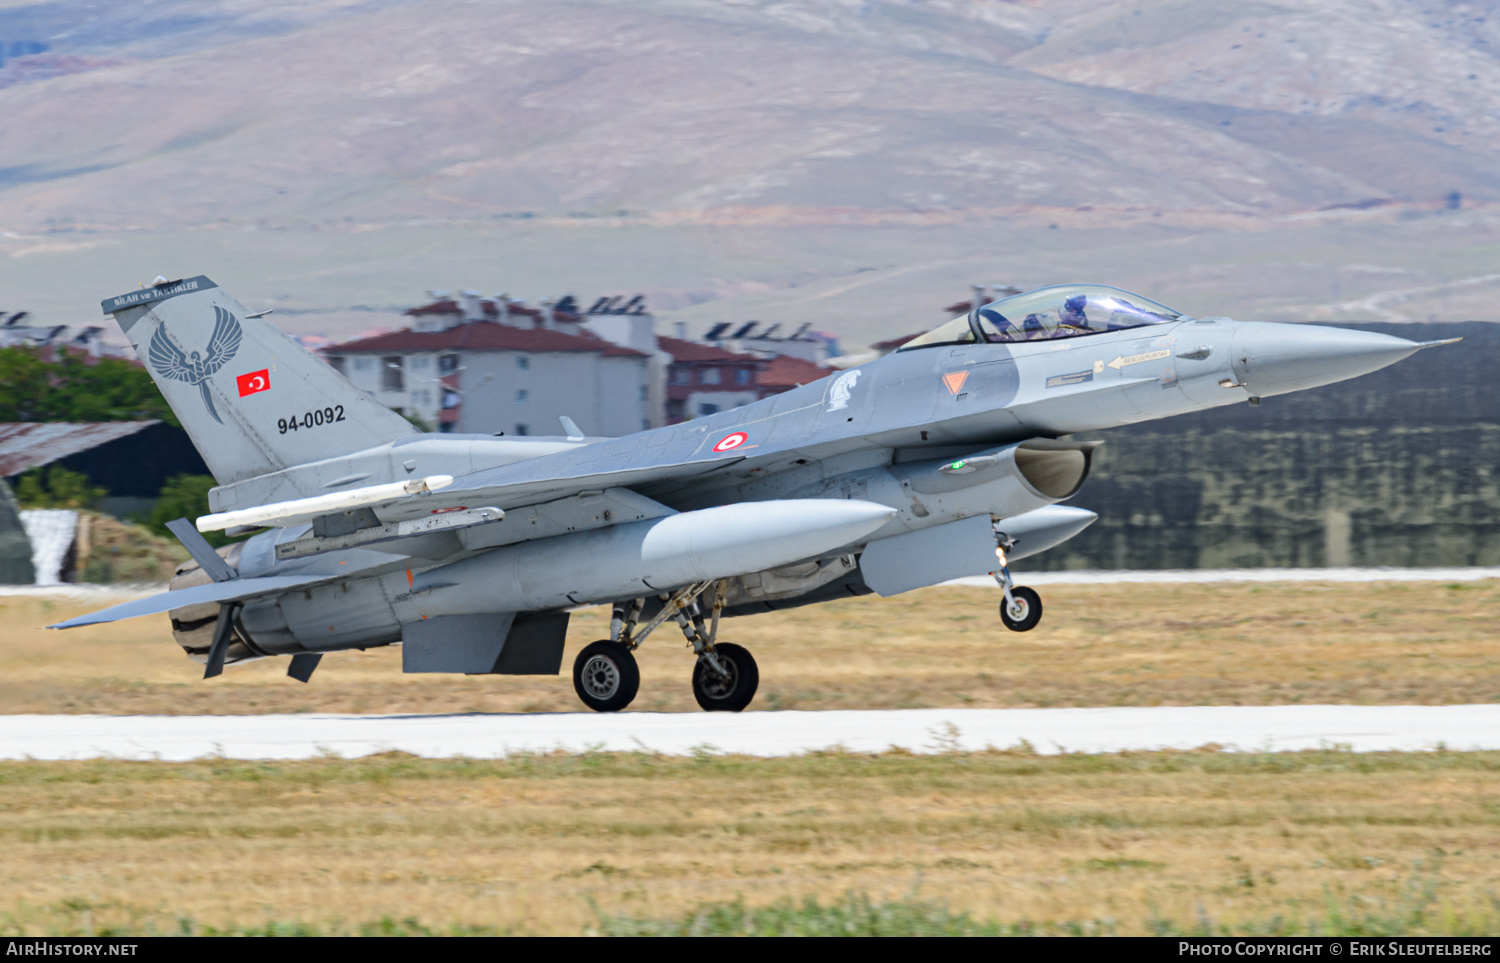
{"x":605,"y":676}
{"x":725,"y":679}
{"x":1022,"y":610}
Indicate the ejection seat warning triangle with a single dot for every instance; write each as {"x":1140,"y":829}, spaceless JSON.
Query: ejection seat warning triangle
{"x":954,"y":380}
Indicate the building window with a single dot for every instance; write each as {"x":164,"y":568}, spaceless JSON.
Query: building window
{"x":452,"y":399}
{"x":677,"y":375}
{"x":446,"y":427}
{"x":362,"y":364}
{"x":522,"y":430}
{"x":520,"y":396}
{"x":337,"y":363}
{"x":422,"y":397}
{"x":645,"y":424}
{"x":707,"y":409}
{"x":447,"y":364}
{"x":524,"y":363}
{"x":708,"y":376}
{"x":676,"y":409}
{"x":392,"y":375}
{"x":742,"y":376}
{"x":645,"y":392}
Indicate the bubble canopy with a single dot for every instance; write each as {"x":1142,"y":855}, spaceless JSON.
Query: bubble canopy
{"x":1047,"y":314}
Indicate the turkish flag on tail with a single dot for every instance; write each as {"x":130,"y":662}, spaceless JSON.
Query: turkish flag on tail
{"x":255,"y":381}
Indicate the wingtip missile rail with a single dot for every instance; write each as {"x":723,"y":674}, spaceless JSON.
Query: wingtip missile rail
{"x":302,"y":509}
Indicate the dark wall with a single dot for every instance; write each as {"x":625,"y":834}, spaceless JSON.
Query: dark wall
{"x":1396,"y":468}
{"x":139,"y":464}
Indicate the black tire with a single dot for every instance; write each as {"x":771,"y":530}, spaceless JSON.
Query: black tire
{"x":605,"y":676}
{"x":1031,"y":605}
{"x":716,"y":694}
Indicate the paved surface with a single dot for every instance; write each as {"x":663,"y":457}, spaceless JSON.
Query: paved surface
{"x":1249,"y":728}
{"x":1244,"y":575}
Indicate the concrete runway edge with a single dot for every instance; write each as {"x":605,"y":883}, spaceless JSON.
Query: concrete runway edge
{"x":1102,"y":730}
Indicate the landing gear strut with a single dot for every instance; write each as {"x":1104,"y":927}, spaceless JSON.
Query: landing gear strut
{"x":1021,"y":609}
{"x":725,"y":676}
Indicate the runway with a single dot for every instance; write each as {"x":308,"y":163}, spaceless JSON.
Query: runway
{"x":1241,"y":728}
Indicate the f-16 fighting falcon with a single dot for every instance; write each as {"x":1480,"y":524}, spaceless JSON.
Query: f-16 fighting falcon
{"x":946,"y":458}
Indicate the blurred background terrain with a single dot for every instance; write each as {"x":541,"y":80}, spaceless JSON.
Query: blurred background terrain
{"x":848,"y":163}
{"x":853,"y":165}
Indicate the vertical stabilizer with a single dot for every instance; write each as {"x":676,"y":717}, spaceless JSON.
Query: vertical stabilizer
{"x":253,"y":400}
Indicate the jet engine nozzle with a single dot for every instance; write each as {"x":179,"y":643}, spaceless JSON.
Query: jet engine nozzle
{"x":1273,"y":359}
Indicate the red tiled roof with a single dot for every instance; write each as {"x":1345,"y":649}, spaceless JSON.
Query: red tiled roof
{"x":484,"y":336}
{"x":787,"y":372}
{"x":895,"y":343}
{"x":691,"y":351}
{"x":442,"y":306}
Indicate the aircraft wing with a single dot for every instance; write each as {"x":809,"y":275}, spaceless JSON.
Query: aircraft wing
{"x":230,"y":591}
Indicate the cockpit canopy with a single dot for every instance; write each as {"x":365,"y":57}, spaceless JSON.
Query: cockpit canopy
{"x":1061,"y":311}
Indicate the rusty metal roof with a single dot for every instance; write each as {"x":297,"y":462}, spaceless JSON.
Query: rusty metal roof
{"x":26,"y":445}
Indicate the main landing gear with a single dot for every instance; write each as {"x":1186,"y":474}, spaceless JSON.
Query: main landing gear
{"x":1021,"y":609}
{"x":725,"y":675}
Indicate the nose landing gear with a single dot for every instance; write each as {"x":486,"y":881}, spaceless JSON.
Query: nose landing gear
{"x":1021,"y":609}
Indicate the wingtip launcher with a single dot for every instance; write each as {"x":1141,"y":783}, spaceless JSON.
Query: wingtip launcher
{"x":302,"y":509}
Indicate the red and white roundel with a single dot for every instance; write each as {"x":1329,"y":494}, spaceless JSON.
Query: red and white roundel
{"x":731,"y":442}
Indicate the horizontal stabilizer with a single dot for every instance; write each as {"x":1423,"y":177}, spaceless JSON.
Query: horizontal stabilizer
{"x":243,"y":588}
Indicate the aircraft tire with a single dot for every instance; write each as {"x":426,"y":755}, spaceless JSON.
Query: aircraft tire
{"x":605,"y":676}
{"x":1031,"y":605}
{"x":733,"y":695}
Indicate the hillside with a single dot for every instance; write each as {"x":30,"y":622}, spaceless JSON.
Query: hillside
{"x":887,"y":119}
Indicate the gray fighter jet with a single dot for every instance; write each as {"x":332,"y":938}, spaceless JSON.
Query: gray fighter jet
{"x":946,"y":458}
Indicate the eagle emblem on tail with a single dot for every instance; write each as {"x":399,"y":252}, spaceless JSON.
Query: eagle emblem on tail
{"x":171,"y":362}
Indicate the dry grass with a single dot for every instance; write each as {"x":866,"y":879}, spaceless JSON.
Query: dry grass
{"x":1099,"y":645}
{"x":1099,"y":842}
{"x":116,"y":551}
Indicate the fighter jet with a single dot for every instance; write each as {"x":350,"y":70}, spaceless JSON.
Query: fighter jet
{"x":949,"y":457}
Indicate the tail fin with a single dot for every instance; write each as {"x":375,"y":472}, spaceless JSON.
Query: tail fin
{"x":252,"y":399}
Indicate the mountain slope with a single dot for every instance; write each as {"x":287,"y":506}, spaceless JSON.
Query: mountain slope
{"x":342,"y":113}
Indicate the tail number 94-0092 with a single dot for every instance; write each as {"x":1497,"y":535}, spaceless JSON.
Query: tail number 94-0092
{"x":310,"y":419}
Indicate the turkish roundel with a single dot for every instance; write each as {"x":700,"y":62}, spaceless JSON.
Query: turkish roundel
{"x":255,"y":381}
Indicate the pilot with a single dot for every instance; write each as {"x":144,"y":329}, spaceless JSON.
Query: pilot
{"x":1073,"y":321}
{"x":1034,"y":328}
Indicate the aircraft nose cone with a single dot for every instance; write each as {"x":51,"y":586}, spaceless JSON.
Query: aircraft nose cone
{"x":1273,"y":359}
